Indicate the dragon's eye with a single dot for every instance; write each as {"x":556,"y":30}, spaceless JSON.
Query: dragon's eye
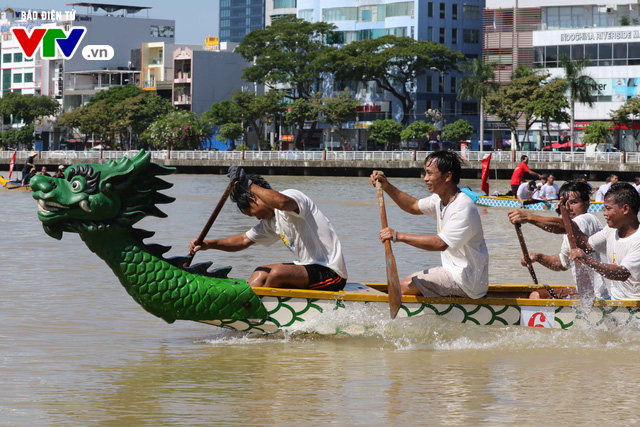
{"x":78,"y":184}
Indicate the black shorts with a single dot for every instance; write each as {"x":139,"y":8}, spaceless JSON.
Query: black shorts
{"x":323,"y":278}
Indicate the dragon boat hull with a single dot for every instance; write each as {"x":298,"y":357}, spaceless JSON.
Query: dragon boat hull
{"x":505,"y":305}
{"x":9,"y":185}
{"x":514,"y":203}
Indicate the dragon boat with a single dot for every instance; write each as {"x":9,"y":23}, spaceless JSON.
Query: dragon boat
{"x":512,"y":202}
{"x":12,"y":185}
{"x":102,"y":203}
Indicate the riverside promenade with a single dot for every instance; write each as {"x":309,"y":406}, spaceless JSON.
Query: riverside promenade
{"x":350,"y":163}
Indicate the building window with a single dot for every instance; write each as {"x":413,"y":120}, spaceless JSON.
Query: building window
{"x":6,"y":58}
{"x":429,"y":83}
{"x":470,"y":11}
{"x":17,"y":78}
{"x":443,"y":10}
{"x":430,"y":10}
{"x":441,"y":39}
{"x":430,"y":34}
{"x":306,"y":14}
{"x":454,"y":12}
{"x":454,"y":36}
{"x":471,"y":36}
{"x":441,"y":83}
{"x":162,"y":31}
{"x":6,"y":80}
{"x":28,"y":77}
{"x":340,"y":14}
{"x":454,"y":85}
{"x":17,"y":57}
{"x":284,"y":4}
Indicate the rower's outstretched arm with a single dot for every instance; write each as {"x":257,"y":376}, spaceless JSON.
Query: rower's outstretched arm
{"x":275,"y":199}
{"x":406,"y":202}
{"x":546,"y":223}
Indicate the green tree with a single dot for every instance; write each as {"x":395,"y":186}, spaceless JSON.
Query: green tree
{"x":27,"y":107}
{"x":336,"y":111}
{"x":288,"y":52}
{"x":178,"y":130}
{"x":385,"y":131}
{"x":459,"y":130}
{"x":418,"y":131}
{"x":476,"y":84}
{"x":597,"y":132}
{"x":512,"y":102}
{"x":393,"y":63}
{"x":298,"y":112}
{"x":579,"y":85}
{"x":15,"y":137}
{"x":257,"y":110}
{"x":230,"y":131}
{"x":629,"y":115}
{"x":89,"y":120}
{"x":223,"y":112}
{"x":551,"y":105}
{"x":116,"y":94}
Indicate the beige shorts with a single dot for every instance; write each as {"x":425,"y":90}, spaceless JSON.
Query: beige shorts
{"x":436,"y":282}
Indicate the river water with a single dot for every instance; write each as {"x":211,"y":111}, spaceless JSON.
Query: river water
{"x":75,"y":349}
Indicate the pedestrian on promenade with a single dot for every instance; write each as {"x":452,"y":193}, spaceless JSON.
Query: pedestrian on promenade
{"x":459,"y":239}
{"x":293,"y":218}
{"x":518,"y":174}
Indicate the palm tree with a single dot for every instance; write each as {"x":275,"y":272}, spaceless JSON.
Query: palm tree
{"x":579,"y":86}
{"x":476,"y":84}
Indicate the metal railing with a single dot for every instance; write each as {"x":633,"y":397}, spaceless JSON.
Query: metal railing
{"x":318,"y":156}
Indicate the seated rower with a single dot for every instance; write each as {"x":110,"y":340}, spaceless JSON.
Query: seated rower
{"x":577,"y":194}
{"x":292,"y":217}
{"x":459,"y":237}
{"x":525,"y":191}
{"x":619,"y":242}
{"x":550,"y":190}
{"x":27,"y":178}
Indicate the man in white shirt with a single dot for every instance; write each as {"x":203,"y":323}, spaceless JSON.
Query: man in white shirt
{"x":525,"y":190}
{"x":602,"y":190}
{"x":293,"y":218}
{"x":543,"y":181}
{"x":577,"y":194}
{"x":459,"y":238}
{"x":549,"y":191}
{"x":619,"y":242}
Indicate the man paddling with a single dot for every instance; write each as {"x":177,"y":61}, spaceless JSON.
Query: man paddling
{"x":619,"y":243}
{"x":292,"y":217}
{"x":577,"y":194}
{"x":459,"y":239}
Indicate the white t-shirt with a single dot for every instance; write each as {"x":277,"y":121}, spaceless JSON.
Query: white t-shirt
{"x":549,"y":192}
{"x":589,"y":225}
{"x":309,"y":234}
{"x":536,"y":194}
{"x":602,"y":190}
{"x":523,"y":191}
{"x":459,"y":226}
{"x":624,"y":252}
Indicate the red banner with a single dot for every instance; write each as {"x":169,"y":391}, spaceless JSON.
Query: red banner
{"x":485,"y":174}
{"x":13,"y":162}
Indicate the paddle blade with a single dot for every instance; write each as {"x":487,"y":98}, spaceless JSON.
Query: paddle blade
{"x":393,"y":288}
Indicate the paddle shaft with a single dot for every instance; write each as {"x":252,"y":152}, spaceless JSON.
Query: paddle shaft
{"x":525,"y":252}
{"x":211,"y":220}
{"x":566,"y":220}
{"x":393,"y":289}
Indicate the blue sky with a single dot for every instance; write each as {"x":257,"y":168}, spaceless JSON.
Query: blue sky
{"x":195,"y":19}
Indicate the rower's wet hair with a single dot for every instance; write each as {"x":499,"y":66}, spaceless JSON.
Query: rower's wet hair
{"x":241,"y":195}
{"x":624,"y":193}
{"x":446,"y":161}
{"x":582,"y":188}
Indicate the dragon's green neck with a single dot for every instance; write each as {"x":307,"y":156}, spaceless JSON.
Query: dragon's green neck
{"x":168,"y":291}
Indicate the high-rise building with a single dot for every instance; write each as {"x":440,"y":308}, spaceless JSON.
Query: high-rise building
{"x":237,"y":19}
{"x":536,"y":33}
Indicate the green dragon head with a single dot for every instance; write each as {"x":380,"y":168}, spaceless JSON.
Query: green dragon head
{"x":91,"y":198}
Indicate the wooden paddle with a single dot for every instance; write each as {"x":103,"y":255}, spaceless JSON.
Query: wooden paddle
{"x":525,"y":252}
{"x":211,"y":220}
{"x":393,"y":282}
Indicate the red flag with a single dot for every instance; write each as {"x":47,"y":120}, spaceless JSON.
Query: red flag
{"x":485,"y":174}
{"x":13,"y":162}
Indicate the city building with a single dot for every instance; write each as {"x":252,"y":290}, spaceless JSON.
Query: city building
{"x":455,"y":24}
{"x":536,"y":33}
{"x":202,"y":77}
{"x":156,"y":64}
{"x":237,"y":19}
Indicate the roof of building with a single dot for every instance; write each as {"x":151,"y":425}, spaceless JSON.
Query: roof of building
{"x":110,"y":8}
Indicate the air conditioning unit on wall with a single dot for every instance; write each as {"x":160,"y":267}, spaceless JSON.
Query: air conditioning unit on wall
{"x":611,"y":9}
